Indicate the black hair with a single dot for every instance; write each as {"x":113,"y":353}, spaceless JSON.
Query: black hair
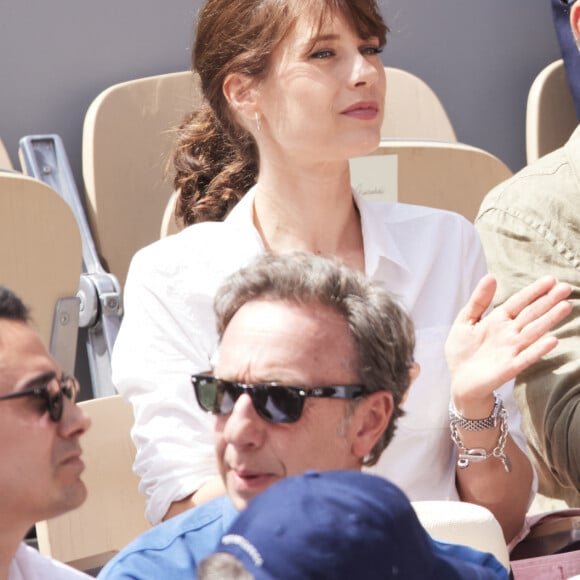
{"x":11,"y":307}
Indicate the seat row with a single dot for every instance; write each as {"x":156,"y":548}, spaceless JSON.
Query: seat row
{"x":128,"y":203}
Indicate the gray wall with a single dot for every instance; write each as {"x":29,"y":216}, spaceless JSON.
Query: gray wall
{"x":480,"y":57}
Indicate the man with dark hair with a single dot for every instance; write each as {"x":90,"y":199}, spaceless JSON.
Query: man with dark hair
{"x":530,"y":226}
{"x":11,"y":307}
{"x":40,"y":428}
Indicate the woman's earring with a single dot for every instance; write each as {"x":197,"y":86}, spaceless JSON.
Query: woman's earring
{"x":258,"y":125}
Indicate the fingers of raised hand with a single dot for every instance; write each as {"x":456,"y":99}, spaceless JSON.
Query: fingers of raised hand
{"x":545,"y":287}
{"x":541,"y":313}
{"x":530,"y":317}
{"x":479,"y":301}
{"x":530,"y":354}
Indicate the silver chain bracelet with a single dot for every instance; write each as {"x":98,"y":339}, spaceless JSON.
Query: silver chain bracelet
{"x":478,"y":454}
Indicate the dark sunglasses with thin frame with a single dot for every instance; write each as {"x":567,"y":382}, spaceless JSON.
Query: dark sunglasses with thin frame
{"x":52,"y":398}
{"x":273,"y":402}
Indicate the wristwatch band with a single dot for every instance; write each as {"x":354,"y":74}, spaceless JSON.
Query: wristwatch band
{"x":476,"y":424}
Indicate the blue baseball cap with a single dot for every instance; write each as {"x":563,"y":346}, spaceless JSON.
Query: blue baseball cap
{"x":345,"y":525}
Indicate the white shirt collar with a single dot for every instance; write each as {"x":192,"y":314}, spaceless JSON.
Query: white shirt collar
{"x":378,"y":242}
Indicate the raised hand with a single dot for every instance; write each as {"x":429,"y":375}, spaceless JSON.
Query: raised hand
{"x":483,"y":352}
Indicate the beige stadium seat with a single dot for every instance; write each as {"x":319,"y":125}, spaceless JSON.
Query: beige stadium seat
{"x":550,"y":114}
{"x":40,"y":260}
{"x":5,"y":161}
{"x":113,"y":513}
{"x":463,"y":523}
{"x":413,"y":110}
{"x":169,"y":224}
{"x":127,"y":136}
{"x":450,"y":176}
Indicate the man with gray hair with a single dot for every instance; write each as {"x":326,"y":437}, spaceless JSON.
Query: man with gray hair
{"x":314,"y":363}
{"x":375,"y":327}
{"x":313,"y":368}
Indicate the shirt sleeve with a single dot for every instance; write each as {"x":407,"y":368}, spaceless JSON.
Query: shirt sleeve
{"x":168,"y":333}
{"x":29,"y":564}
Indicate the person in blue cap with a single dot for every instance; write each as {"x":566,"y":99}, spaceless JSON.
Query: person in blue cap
{"x":340,"y":525}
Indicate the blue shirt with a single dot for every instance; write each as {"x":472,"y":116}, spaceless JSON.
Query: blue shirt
{"x":174,"y":548}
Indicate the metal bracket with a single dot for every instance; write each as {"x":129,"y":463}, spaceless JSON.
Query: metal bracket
{"x":63,"y":338}
{"x":99,"y":295}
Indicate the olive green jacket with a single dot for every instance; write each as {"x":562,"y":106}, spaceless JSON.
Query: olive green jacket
{"x":530,"y":226}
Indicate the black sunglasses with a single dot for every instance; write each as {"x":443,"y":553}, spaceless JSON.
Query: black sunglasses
{"x":273,"y":402}
{"x":51,"y":397}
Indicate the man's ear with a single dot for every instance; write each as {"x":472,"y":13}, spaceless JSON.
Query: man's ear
{"x":370,"y":419}
{"x":575,"y":21}
{"x":241,"y":93}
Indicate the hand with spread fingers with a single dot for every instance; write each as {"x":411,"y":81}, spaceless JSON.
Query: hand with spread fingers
{"x":484,"y":352}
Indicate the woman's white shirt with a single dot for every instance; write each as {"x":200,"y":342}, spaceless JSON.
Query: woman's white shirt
{"x":429,"y":259}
